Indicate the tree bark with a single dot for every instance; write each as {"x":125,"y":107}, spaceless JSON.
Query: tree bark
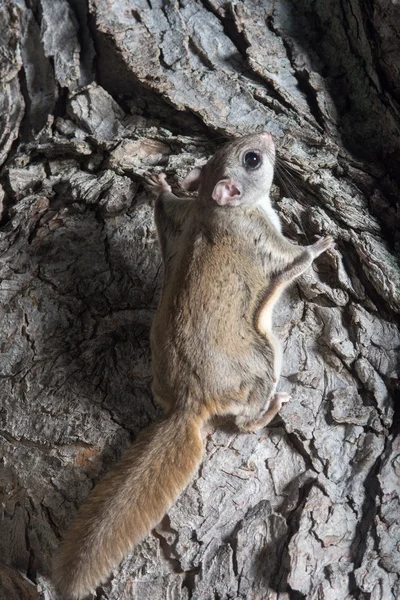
{"x":95,"y":95}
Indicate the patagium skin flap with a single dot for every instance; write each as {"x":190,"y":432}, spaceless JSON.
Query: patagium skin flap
{"x":214,"y":352}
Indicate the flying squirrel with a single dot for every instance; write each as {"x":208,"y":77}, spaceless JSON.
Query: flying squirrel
{"x":214,"y":352}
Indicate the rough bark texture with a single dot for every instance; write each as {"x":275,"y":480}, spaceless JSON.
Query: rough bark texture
{"x":92,"y":96}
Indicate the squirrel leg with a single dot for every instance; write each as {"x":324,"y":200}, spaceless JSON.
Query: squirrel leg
{"x":281,"y":280}
{"x":276,"y":405}
{"x":304,"y":260}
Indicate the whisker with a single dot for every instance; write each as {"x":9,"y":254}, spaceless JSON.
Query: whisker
{"x":288,"y":183}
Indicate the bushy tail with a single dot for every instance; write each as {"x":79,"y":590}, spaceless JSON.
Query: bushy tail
{"x":128,"y":503}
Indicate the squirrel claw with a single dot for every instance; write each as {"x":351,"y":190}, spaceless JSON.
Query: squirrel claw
{"x":281,"y":398}
{"x":323,"y":244}
{"x":157,"y":183}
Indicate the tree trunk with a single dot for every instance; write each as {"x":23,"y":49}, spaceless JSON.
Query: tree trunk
{"x":93,"y":96}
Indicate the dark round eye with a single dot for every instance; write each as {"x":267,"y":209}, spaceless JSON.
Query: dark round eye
{"x":252,"y":160}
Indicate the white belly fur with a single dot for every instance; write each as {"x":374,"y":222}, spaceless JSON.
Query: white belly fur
{"x":265,"y":317}
{"x":272,"y":215}
{"x":265,"y":326}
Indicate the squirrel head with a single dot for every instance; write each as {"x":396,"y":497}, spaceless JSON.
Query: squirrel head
{"x":239,"y":174}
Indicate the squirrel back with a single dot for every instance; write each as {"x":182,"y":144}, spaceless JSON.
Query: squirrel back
{"x":128,"y":503}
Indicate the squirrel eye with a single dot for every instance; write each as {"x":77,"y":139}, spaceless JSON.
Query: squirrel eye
{"x":252,"y":160}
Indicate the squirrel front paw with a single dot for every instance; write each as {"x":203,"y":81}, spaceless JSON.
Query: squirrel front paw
{"x":323,"y":244}
{"x":157,"y":184}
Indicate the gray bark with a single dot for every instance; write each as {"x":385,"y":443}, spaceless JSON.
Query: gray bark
{"x":93,"y":96}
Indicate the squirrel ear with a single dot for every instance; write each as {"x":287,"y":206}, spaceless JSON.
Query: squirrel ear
{"x":192,"y":180}
{"x":226,"y":190}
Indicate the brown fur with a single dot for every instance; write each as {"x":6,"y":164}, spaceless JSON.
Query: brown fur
{"x":213,"y":352}
{"x":128,"y":503}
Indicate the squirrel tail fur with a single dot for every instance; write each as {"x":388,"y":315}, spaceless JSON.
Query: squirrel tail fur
{"x":128,"y":503}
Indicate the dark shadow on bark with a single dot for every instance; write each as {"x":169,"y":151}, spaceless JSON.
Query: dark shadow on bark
{"x":363,"y":104}
{"x":89,"y":349}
